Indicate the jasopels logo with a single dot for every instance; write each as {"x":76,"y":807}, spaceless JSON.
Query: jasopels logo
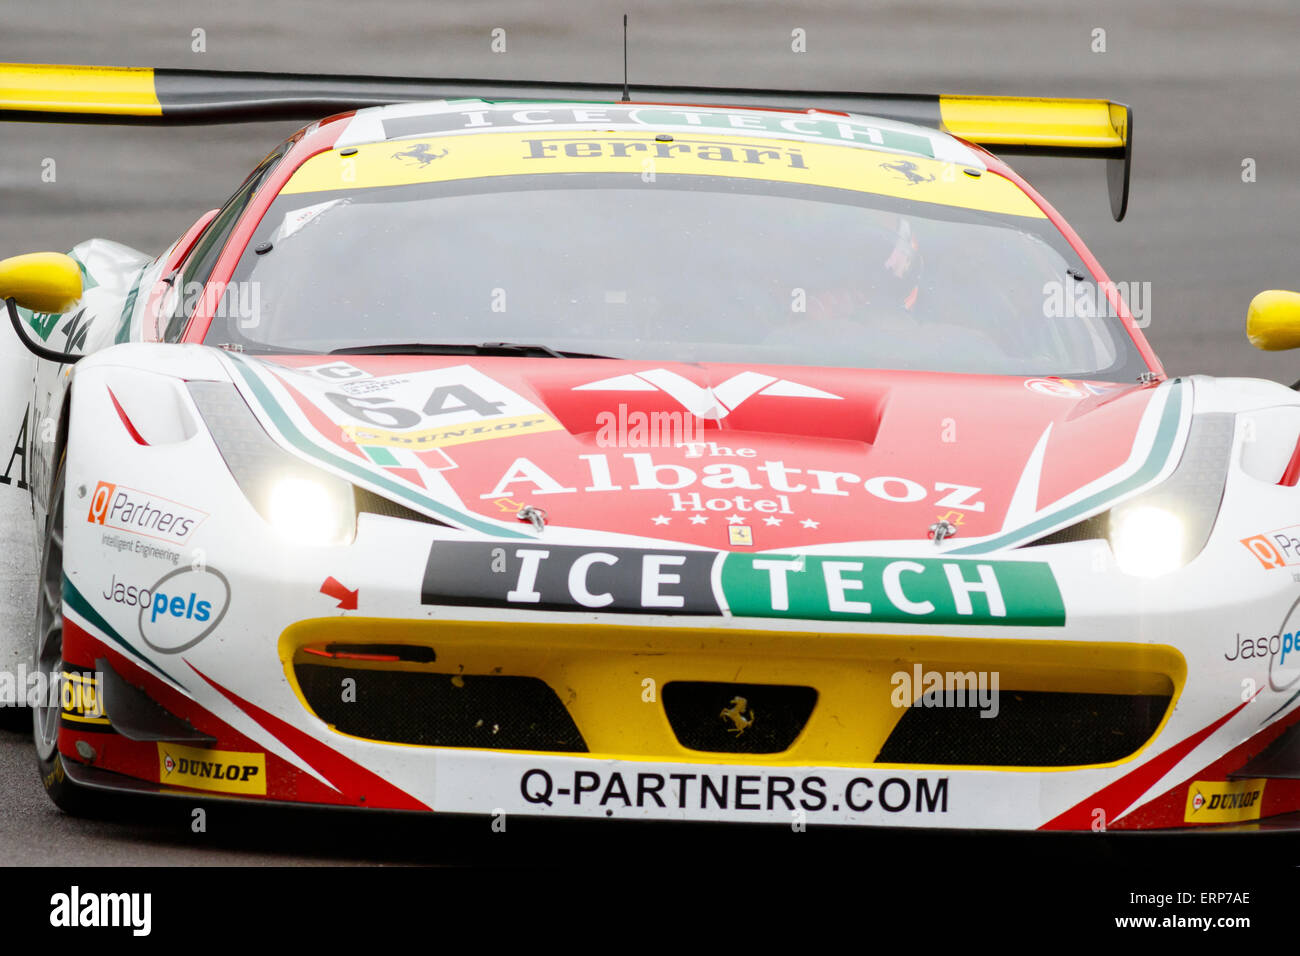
{"x":128,"y":509}
{"x":187,"y":605}
{"x":1284,"y":656}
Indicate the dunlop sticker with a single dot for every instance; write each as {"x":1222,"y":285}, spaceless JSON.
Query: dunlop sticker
{"x":221,"y":771}
{"x":1217,"y":801}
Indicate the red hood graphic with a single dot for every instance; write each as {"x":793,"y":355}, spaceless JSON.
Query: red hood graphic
{"x":717,"y":455}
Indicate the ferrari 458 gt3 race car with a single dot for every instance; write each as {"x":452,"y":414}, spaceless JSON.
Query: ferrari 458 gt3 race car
{"x":636,"y":459}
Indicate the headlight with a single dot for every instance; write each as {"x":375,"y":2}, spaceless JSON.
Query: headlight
{"x":305,"y":505}
{"x":1164,"y":528}
{"x":308,"y":511}
{"x":1147,"y":541}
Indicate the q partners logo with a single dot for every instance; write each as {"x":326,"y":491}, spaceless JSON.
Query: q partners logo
{"x":129,"y":509}
{"x":100,"y":501}
{"x":185,"y":607}
{"x":1264,"y":551}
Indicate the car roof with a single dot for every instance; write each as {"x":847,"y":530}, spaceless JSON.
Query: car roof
{"x":469,"y":116}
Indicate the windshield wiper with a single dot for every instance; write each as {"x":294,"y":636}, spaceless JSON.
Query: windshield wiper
{"x":484,"y":348}
{"x":259,"y":348}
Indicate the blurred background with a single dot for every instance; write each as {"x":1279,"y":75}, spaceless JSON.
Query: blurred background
{"x":1211,"y":84}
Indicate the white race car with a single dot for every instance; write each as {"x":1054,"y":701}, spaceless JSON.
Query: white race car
{"x":639,"y":460}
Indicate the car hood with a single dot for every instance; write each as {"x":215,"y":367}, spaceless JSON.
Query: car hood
{"x":716,"y":455}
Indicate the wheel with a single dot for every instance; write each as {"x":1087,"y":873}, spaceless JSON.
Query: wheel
{"x":69,"y":797}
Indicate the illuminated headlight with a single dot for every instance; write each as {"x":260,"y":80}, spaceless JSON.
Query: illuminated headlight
{"x":1147,"y":541}
{"x":308,"y":511}
{"x":305,"y":505}
{"x":1162,"y":529}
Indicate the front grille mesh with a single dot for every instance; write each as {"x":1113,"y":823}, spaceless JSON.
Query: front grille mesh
{"x":1096,"y":528}
{"x":371,"y":503}
{"x":440,"y":710}
{"x":406,"y":702}
{"x":1031,"y":729}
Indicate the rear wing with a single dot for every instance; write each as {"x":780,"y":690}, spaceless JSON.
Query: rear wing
{"x":1015,"y":125}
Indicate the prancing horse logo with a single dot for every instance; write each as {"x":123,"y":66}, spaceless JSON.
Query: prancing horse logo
{"x":736,"y":714}
{"x":420,"y":153}
{"x":908,"y":169}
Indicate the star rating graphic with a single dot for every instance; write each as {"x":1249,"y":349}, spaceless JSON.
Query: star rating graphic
{"x":770,"y":521}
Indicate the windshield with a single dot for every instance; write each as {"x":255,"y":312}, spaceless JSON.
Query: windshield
{"x":674,"y":268}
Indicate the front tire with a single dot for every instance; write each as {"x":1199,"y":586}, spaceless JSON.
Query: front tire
{"x":46,"y":716}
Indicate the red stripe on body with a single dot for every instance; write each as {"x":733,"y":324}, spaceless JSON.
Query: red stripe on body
{"x":1292,"y":473}
{"x":121,"y":413}
{"x":1118,"y":796}
{"x":358,"y":785}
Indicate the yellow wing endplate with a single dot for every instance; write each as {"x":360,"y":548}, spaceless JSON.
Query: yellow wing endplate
{"x":92,"y":90}
{"x":1033,"y":122}
{"x":1037,"y":126}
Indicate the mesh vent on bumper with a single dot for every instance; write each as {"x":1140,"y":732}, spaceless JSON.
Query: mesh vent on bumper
{"x":1031,"y":729}
{"x":441,"y":710}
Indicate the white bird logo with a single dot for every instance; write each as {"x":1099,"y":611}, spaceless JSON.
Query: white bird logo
{"x":712,"y":403}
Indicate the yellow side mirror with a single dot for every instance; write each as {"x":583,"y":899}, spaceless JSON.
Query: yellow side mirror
{"x":41,"y":281}
{"x":1273,"y":320}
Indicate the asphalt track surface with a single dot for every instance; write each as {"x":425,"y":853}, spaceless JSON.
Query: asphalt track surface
{"x":1212,"y":84}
